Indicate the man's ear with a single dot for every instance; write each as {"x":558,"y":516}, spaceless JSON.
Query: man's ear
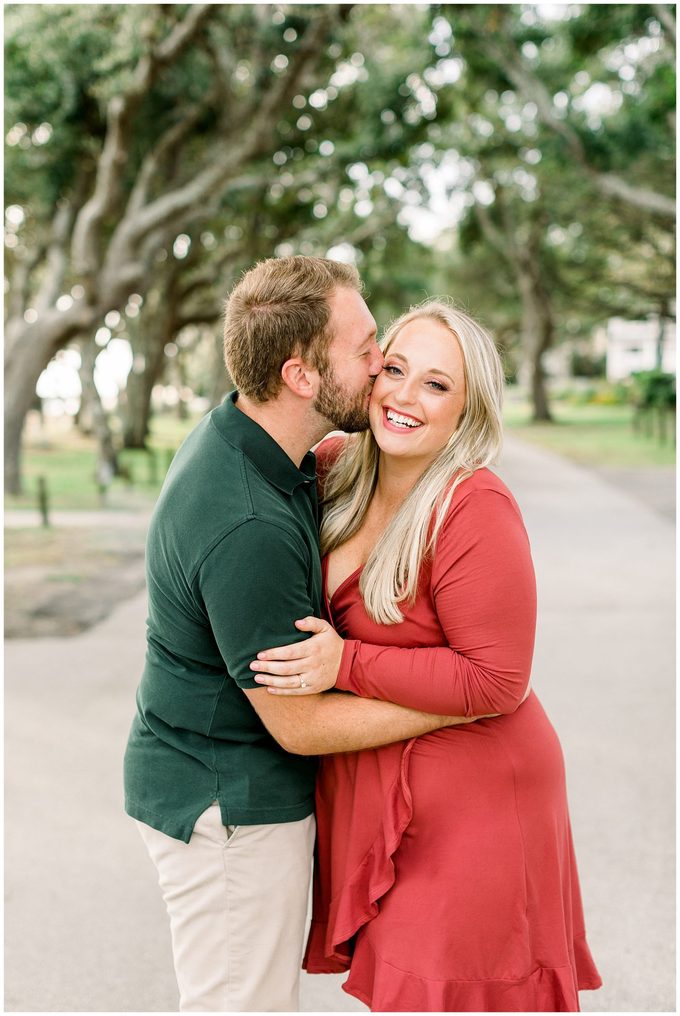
{"x":300,"y":378}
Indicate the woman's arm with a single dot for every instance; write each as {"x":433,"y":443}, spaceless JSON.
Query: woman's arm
{"x":484,"y":593}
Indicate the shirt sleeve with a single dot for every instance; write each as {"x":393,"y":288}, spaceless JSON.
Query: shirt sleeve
{"x":484,"y":592}
{"x":253,"y":585}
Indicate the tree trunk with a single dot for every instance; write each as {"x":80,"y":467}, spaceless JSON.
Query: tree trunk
{"x":661,"y":335}
{"x":98,"y":417}
{"x":31,"y":349}
{"x":21,"y":378}
{"x":148,"y":339}
{"x":182,"y":407}
{"x":137,"y":415}
{"x":222,"y":383}
{"x":14,"y":426}
{"x":539,"y":393}
{"x":537,"y":334}
{"x":88,"y":392}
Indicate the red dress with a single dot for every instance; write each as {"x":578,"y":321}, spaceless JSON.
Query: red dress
{"x":445,"y":876}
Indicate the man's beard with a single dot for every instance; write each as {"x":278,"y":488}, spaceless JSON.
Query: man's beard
{"x":343,"y":409}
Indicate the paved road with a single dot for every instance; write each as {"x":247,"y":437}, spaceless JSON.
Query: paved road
{"x":29,"y":518}
{"x":85,"y":928}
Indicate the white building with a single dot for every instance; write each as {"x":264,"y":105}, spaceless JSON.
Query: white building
{"x":633,"y":345}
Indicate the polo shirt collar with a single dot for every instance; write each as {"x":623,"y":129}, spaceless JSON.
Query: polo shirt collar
{"x":264,"y":452}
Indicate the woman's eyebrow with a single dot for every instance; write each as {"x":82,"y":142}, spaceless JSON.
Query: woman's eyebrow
{"x":442,"y":373}
{"x":430,"y":370}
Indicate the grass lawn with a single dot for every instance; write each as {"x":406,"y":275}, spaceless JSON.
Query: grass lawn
{"x":593,"y":435}
{"x":68,"y":460}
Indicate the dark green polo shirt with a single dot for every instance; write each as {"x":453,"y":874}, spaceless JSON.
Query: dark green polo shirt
{"x":232,"y":561}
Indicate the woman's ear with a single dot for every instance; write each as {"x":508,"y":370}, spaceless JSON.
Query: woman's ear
{"x":300,"y":378}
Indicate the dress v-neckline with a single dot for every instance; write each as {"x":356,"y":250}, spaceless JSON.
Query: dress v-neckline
{"x":329,"y":598}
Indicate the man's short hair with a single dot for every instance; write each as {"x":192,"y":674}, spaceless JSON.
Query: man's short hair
{"x":280,"y":309}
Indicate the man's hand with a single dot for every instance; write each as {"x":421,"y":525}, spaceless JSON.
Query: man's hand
{"x":305,"y":668}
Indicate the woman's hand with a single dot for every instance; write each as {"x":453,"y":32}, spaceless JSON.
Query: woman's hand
{"x":305,"y":668}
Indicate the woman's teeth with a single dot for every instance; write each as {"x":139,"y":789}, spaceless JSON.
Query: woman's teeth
{"x":402,"y":421}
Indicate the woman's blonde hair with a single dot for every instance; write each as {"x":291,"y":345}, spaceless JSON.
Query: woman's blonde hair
{"x":390,"y":576}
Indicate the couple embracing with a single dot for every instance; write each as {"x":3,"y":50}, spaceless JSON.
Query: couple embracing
{"x":338,"y":661}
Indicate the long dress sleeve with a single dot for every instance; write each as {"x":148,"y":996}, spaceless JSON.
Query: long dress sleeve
{"x":483,"y":588}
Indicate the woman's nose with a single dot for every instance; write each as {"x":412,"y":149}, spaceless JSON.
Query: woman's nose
{"x":405,"y":393}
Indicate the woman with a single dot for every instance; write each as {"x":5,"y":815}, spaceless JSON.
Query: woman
{"x":446,"y":879}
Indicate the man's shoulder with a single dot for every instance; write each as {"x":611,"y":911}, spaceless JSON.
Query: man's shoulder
{"x":211,"y":491}
{"x":206,"y":479}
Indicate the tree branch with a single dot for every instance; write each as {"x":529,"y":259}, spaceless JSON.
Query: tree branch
{"x":20,"y":287}
{"x":121,"y":109}
{"x":204,"y":315}
{"x":533,"y":89}
{"x":57,"y":257}
{"x":168,"y":143}
{"x":493,"y":235}
{"x":222,"y":165}
{"x":664,"y":13}
{"x":638,"y":197}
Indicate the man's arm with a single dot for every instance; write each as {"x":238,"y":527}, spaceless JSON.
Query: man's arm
{"x":335,"y":722}
{"x":253,"y":584}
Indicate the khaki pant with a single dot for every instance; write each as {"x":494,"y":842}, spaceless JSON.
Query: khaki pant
{"x":237,"y":898}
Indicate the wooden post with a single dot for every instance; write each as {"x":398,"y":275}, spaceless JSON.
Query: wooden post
{"x":43,"y":502}
{"x":103,"y":477}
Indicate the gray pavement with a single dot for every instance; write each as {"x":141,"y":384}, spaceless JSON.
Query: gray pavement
{"x":29,"y":518}
{"x":85,"y":927}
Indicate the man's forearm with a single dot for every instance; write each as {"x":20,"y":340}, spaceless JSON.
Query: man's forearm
{"x":336,"y":722}
{"x":348,"y":723}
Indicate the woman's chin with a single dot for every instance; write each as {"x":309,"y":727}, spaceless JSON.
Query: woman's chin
{"x":395,"y":447}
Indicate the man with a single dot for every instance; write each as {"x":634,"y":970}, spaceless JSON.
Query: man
{"x":217,"y":772}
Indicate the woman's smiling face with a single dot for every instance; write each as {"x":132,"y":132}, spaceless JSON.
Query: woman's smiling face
{"x":419,"y":396}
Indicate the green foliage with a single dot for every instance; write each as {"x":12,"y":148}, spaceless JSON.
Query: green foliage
{"x":403,"y":100}
{"x":652,"y":388}
{"x":584,"y":365}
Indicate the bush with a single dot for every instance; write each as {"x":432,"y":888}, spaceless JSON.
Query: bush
{"x":603,"y":394}
{"x":652,"y":389}
{"x":612,"y":395}
{"x":584,"y":365}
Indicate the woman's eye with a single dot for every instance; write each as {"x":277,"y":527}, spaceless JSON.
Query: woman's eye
{"x":391,"y":368}
{"x":438,"y":386}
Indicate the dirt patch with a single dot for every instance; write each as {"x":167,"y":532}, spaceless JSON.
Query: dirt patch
{"x":62,"y":581}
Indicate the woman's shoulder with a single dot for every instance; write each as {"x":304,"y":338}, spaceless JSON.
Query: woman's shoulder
{"x":328,"y":451}
{"x":330,"y":446}
{"x":482,"y":514}
{"x":484,"y":479}
{"x":483,"y":485}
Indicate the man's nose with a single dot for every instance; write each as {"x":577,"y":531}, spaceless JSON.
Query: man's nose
{"x":377,"y":362}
